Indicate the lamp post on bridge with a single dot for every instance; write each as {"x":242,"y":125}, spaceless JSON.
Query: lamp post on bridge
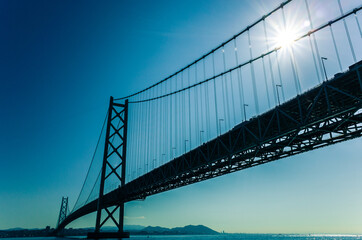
{"x":163,"y":155}
{"x":220,"y":120}
{"x":245,"y":105}
{"x":173,"y":155}
{"x":185,"y":144}
{"x":201,"y":136}
{"x":154,"y":162}
{"x":278,"y":86}
{"x":324,"y":67}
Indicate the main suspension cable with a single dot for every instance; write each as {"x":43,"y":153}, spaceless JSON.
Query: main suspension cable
{"x":251,"y":60}
{"x":94,"y":154}
{"x":210,"y":52}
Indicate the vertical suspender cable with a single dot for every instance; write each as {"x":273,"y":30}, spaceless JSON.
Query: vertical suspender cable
{"x":170,"y":113}
{"x":202,"y":108}
{"x":156,"y":131}
{"x":148,"y":133}
{"x":314,"y":59}
{"x":145,"y":133}
{"x":135,"y":138}
{"x":215,"y":97}
{"x":224,"y":93}
{"x":256,"y":102}
{"x":130,"y":144}
{"x":131,"y":165}
{"x":233,"y":101}
{"x":160,"y":131}
{"x":315,"y":42}
{"x":292,"y":60}
{"x":155,"y":137}
{"x":164,"y":127}
{"x":197,"y":129}
{"x":179,"y":110}
{"x":279,"y":74}
{"x":151,"y":130}
{"x":232,"y":92}
{"x":183,"y":110}
{"x":176,"y":127}
{"x":240,"y":81}
{"x":270,"y":65}
{"x":140,"y":138}
{"x":189,"y":90}
{"x":335,"y":47}
{"x":139,"y":115}
{"x":359,"y":26}
{"x":207,"y":103}
{"x":266,"y":82}
{"x":161,"y":123}
{"x":174,"y":113}
{"x":347,"y":31}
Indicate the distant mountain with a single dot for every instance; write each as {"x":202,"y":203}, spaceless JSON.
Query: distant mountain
{"x":187,"y":230}
{"x":125,"y":227}
{"x":20,"y":229}
{"x":155,"y":230}
{"x":13,"y":229}
{"x":133,"y":227}
{"x":194,"y":230}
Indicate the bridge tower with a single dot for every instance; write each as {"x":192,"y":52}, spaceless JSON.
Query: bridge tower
{"x":114,"y":166}
{"x":63,"y":210}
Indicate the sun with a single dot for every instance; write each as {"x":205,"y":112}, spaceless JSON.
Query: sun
{"x":285,"y":38}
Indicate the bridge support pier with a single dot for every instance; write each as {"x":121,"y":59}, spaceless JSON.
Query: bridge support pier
{"x":114,"y":166}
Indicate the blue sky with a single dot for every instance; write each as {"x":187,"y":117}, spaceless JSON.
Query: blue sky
{"x":59,"y":63}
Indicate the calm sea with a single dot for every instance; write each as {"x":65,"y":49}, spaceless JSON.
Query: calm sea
{"x":226,"y":237}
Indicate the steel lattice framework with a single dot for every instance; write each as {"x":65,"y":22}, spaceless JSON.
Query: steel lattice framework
{"x":115,"y":145}
{"x":325,"y":115}
{"x":63,"y":210}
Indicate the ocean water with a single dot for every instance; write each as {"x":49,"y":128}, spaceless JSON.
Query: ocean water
{"x":252,"y":237}
{"x":223,"y":237}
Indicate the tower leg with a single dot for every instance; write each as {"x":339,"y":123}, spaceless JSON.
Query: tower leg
{"x":62,"y":214}
{"x":121,"y":217}
{"x":115,"y":146}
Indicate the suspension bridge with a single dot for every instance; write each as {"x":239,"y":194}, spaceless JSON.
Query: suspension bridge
{"x":288,"y":83}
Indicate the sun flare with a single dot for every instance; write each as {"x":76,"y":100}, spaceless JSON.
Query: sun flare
{"x":286,"y":38}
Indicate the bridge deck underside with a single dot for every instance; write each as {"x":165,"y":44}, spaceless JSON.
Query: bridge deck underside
{"x":325,"y":115}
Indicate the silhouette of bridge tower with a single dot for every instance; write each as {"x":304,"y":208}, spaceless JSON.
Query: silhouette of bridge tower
{"x":114,"y":158}
{"x":63,"y":210}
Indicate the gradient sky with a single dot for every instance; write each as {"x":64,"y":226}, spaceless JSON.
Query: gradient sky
{"x":59,"y":63}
